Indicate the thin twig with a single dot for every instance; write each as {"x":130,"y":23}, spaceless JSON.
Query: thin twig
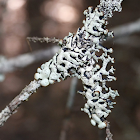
{"x":29,"y":44}
{"x":128,"y":41}
{"x":72,"y":93}
{"x":69,"y":105}
{"x":108,"y":133}
{"x":24,"y":60}
{"x":18,"y":100}
{"x":126,"y":29}
{"x":44,"y":39}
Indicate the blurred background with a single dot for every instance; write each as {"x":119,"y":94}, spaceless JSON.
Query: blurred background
{"x":45,"y":113}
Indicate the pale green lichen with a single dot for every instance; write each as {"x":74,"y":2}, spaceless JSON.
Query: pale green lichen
{"x":77,"y":57}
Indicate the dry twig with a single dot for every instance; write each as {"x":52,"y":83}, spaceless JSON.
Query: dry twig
{"x":69,"y":105}
{"x":126,"y":29}
{"x":44,"y":39}
{"x":21,"y":61}
{"x":18,"y":100}
{"x":108,"y":133}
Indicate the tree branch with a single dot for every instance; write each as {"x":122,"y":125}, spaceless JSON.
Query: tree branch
{"x":44,"y":39}
{"x":18,"y":100}
{"x":108,"y":133}
{"x":126,"y":29}
{"x":21,"y":61}
{"x":69,"y":105}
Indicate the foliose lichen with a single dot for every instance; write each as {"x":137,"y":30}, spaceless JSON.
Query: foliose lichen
{"x":82,"y":56}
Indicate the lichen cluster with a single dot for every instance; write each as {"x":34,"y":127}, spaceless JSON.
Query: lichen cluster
{"x":81,"y":55}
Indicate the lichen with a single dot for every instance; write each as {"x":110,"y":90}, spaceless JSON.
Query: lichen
{"x":82,"y":55}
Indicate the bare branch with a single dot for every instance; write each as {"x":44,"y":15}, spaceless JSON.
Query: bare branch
{"x":18,"y":100}
{"x":122,"y":34}
{"x":129,"y":41}
{"x":24,"y":60}
{"x":69,"y":105}
{"x":126,"y":29}
{"x":44,"y":39}
{"x":108,"y":133}
{"x":72,"y":93}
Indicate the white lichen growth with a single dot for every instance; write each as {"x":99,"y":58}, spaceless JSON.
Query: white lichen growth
{"x":4,"y":115}
{"x":24,"y":96}
{"x":81,"y":55}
